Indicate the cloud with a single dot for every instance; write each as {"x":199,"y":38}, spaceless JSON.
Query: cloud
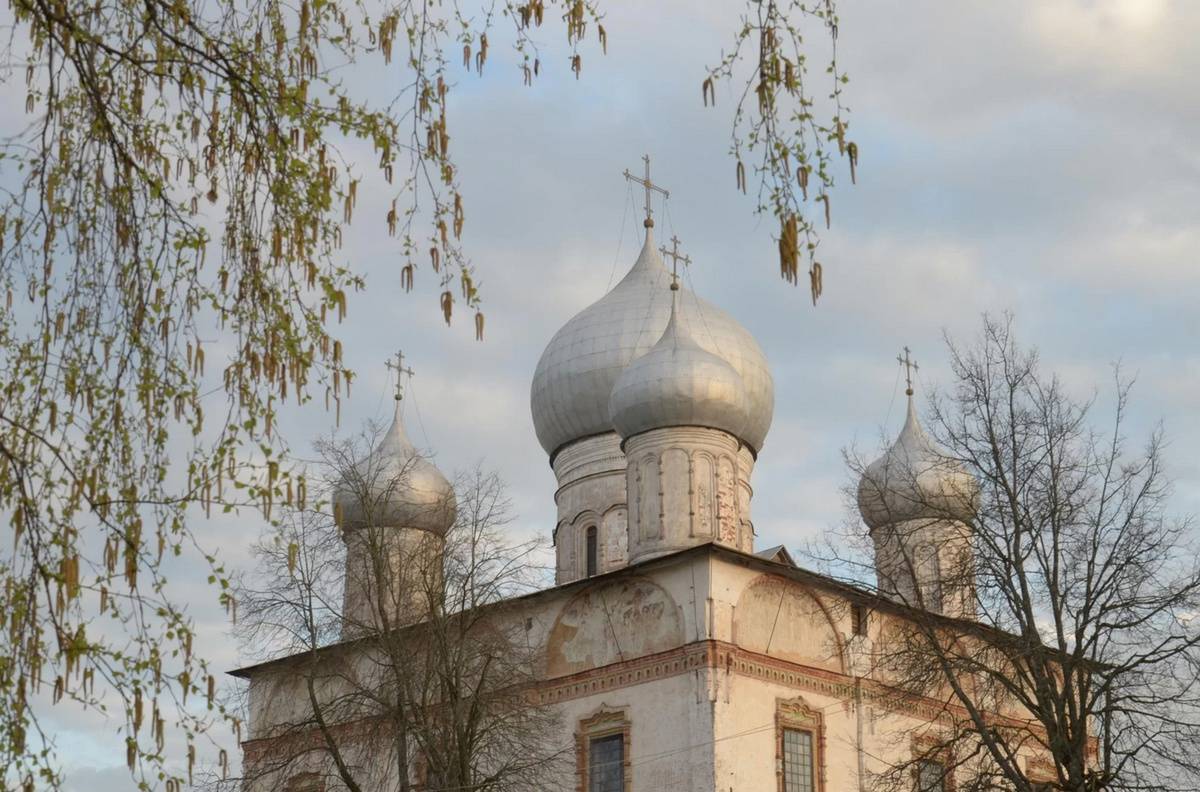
{"x":1042,"y":160}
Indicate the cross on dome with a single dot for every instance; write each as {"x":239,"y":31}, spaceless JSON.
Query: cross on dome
{"x":910,"y":366}
{"x":650,"y":187}
{"x":676,"y":257}
{"x":397,"y":364}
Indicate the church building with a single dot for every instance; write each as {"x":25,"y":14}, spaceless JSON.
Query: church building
{"x":677,"y":654}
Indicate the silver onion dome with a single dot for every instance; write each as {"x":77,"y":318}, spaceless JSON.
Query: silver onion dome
{"x":916,"y":480}
{"x":576,"y":373}
{"x":678,"y":383}
{"x":395,"y":486}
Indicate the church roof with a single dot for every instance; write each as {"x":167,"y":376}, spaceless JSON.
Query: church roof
{"x":775,"y":565}
{"x":678,"y":383}
{"x":914,"y":480}
{"x":575,"y":376}
{"x":396,"y":486}
{"x":778,"y":554}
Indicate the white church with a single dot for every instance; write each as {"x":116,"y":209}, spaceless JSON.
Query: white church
{"x":677,"y":654}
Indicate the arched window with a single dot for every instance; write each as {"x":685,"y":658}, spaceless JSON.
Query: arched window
{"x":930,"y":576}
{"x":593,"y":551}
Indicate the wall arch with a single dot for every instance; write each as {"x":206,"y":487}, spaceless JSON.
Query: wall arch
{"x":612,"y":621}
{"x":784,"y":619}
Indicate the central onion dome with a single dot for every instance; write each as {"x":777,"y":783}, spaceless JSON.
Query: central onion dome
{"x":395,"y":486}
{"x":678,"y":383}
{"x":916,"y":480}
{"x":577,"y":371}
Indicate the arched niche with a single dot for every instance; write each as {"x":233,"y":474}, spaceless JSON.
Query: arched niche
{"x":784,"y":619}
{"x":614,"y":536}
{"x":613,"y":621}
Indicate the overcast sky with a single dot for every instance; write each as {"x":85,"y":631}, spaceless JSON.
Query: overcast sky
{"x":1037,"y":157}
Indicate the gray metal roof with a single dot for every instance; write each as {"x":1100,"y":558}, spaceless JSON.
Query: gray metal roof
{"x":577,"y":371}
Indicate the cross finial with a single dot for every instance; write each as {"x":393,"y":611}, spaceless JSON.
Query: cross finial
{"x":910,"y":366}
{"x":396,"y":364}
{"x":650,"y":187}
{"x":676,"y":257}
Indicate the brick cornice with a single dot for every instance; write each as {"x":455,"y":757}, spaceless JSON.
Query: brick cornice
{"x":721,"y":656}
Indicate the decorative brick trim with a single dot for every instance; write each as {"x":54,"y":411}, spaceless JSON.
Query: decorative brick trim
{"x":305,"y":782}
{"x":722,"y":656}
{"x":1040,"y":770}
{"x":717,"y":656}
{"x":796,"y":714}
{"x":928,"y":748}
{"x":672,"y":662}
{"x":734,"y":659}
{"x":605,"y":723}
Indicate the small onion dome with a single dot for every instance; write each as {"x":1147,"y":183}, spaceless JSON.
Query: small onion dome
{"x":395,"y":486}
{"x":915,"y":480}
{"x":576,"y":373}
{"x":678,"y":383}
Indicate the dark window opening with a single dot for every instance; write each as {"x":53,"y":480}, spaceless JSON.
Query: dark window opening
{"x":931,"y":777}
{"x":592,"y":550}
{"x":858,"y":620}
{"x":606,"y":763}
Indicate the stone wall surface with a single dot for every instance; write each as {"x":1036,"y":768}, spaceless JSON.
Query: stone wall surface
{"x":700,"y":658}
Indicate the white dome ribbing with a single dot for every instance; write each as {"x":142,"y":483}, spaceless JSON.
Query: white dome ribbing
{"x":915,"y":480}
{"x":395,"y":486}
{"x":678,"y":383}
{"x":576,"y":373}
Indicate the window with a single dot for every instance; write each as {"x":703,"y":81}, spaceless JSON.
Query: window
{"x":858,"y":620}
{"x":592,"y":551}
{"x":799,"y":746}
{"x":602,"y":753}
{"x":798,"y":770}
{"x":606,"y":763}
{"x":930,"y":573}
{"x":931,"y":776}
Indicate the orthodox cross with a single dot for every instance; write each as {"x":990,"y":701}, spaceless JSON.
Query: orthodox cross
{"x":650,"y":187}
{"x":676,"y":257}
{"x":910,"y":366}
{"x":397,"y":365}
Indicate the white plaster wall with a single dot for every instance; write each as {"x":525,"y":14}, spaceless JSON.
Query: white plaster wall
{"x":926,"y":554}
{"x":275,"y":697}
{"x":670,"y":732}
{"x":591,"y":492}
{"x":684,"y":489}
{"x":745,"y":734}
{"x":702,"y":730}
{"x":412,"y":557}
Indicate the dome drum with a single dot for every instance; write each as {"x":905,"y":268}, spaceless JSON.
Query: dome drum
{"x":918,"y":504}
{"x":684,"y":490}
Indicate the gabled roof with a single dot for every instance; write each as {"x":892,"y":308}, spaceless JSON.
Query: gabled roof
{"x":773,"y":560}
{"x":779,"y":554}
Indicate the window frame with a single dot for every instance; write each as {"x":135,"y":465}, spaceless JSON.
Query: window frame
{"x":943,"y":776}
{"x":594,"y":740}
{"x":926,"y":748}
{"x":812,"y":751}
{"x":860,"y":619}
{"x":796,"y":715}
{"x":929,"y":578}
{"x":603,"y":724}
{"x":591,"y":551}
